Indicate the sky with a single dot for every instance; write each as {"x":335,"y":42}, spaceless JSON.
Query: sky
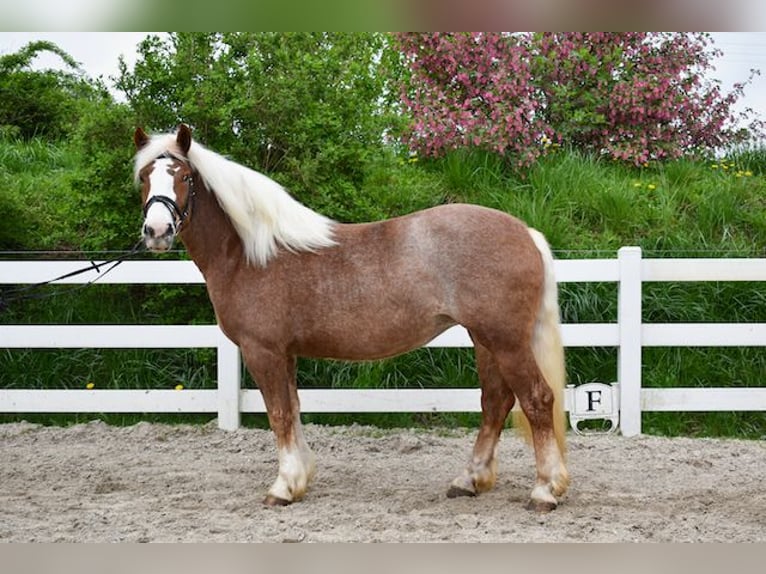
{"x":98,"y":52}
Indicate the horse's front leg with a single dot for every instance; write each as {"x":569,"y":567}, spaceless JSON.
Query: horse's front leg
{"x":274,"y":374}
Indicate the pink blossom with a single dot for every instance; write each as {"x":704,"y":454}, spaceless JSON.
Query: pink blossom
{"x":633,"y":96}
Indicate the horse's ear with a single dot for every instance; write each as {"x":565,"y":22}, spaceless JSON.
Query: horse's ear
{"x":184,"y":138}
{"x":140,"y":138}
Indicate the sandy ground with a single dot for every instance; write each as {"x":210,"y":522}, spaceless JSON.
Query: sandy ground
{"x":153,"y":483}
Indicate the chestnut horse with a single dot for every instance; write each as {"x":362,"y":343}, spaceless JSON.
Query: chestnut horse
{"x":286,"y":281}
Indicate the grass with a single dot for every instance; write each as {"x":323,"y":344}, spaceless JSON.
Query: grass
{"x":586,"y":208}
{"x":35,"y":179}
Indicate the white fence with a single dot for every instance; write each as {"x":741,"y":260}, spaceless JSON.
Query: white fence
{"x":629,"y":335}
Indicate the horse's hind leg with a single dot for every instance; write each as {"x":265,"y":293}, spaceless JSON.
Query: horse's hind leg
{"x":536,"y":399}
{"x":504,"y":374}
{"x":275,"y":376}
{"x":496,"y":402}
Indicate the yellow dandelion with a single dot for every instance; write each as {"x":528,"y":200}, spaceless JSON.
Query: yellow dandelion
{"x":90,"y":386}
{"x":651,"y":186}
{"x":179,"y":387}
{"x":636,"y":184}
{"x":714,"y":166}
{"x":748,"y":173}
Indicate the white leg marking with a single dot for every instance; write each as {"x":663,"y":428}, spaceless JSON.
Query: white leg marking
{"x":478,"y":476}
{"x":553,"y":477}
{"x":542,"y":493}
{"x":296,"y":468}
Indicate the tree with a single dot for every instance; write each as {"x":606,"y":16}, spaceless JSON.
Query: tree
{"x":636,"y":96}
{"x":39,"y":103}
{"x":630,"y":96}
{"x":307,"y":108}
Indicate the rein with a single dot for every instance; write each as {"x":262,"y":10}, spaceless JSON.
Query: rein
{"x":29,"y":291}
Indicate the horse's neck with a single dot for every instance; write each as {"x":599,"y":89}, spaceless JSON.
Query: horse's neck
{"x":210,"y":238}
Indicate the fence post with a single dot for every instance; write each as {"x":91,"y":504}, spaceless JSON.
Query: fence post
{"x":629,"y":353}
{"x":228,"y":384}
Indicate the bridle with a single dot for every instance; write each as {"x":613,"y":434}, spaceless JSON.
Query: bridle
{"x":179,"y":215}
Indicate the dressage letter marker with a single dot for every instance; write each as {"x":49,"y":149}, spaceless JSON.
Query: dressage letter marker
{"x":593,"y":401}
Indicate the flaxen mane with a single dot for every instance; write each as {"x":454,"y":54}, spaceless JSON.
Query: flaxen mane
{"x":265,"y":216}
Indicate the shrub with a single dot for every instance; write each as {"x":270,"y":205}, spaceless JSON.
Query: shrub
{"x":105,"y":207}
{"x":39,"y":103}
{"x":307,"y":108}
{"x":630,"y":96}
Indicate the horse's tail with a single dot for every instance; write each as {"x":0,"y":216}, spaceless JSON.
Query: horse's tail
{"x":547,"y":347}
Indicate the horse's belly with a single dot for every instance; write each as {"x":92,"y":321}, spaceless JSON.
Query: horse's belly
{"x":373,"y":340}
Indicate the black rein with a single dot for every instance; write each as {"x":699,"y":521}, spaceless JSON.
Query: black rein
{"x":29,"y":292}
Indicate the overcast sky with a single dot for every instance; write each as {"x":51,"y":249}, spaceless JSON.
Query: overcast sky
{"x":98,"y":52}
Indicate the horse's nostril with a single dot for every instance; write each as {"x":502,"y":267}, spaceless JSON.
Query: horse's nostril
{"x":158,"y":232}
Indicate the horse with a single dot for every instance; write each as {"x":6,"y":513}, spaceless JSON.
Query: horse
{"x":286,"y":281}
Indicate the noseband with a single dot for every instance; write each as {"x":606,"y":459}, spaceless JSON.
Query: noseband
{"x":179,"y":216}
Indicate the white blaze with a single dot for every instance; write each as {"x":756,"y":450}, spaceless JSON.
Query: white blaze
{"x":158,"y":215}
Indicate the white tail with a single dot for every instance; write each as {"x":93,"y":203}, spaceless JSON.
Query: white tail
{"x":547,"y":346}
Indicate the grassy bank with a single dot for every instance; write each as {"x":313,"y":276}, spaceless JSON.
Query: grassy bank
{"x":587,"y":208}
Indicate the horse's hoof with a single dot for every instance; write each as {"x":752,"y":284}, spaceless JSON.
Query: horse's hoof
{"x":541,"y":506}
{"x":272,"y":500}
{"x":455,"y":491}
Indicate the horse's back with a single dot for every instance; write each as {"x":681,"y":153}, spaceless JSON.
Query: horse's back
{"x":450,"y":229}
{"x":476,"y":226}
{"x":476,"y":243}
{"x":452,"y":242}
{"x":461,"y":259}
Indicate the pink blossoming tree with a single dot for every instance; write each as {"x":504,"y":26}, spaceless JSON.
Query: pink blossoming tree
{"x":634,"y":97}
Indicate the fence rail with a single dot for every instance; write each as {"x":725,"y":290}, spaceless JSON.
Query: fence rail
{"x":629,"y":335}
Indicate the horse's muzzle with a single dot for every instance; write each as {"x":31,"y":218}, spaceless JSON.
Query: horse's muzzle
{"x":159,"y":238}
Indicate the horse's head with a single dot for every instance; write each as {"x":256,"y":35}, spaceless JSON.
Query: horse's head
{"x":167,"y":189}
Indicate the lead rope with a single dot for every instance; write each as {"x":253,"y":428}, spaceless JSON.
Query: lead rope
{"x":27,"y":292}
